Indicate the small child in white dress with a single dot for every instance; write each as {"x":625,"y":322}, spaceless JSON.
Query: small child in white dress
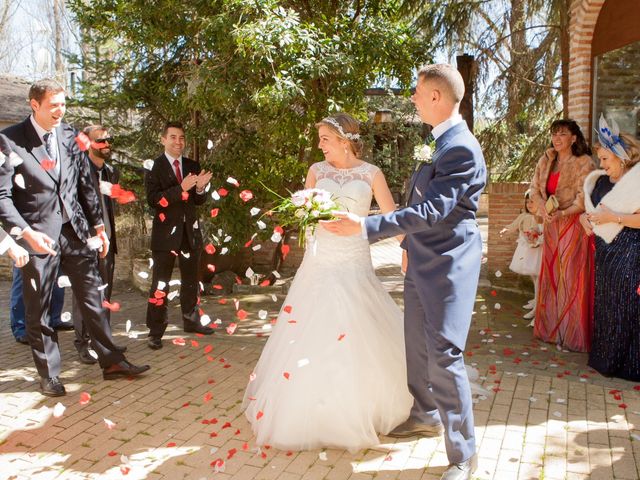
{"x":527,"y":258}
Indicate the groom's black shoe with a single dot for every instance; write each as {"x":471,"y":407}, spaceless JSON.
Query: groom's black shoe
{"x":461,"y":471}
{"x":413,"y":428}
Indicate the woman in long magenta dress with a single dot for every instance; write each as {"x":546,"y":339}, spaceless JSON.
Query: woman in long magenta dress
{"x":564,"y":308}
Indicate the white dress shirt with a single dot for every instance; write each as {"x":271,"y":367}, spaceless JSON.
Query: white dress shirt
{"x":173,"y":159}
{"x":54,"y":140}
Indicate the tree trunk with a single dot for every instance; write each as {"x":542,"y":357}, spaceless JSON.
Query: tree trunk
{"x":58,"y":6}
{"x":519,"y":53}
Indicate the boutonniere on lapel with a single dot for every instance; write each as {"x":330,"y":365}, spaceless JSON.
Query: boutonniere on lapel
{"x":423,"y":154}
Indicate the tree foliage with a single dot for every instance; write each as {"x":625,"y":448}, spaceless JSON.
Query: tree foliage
{"x":251,"y":76}
{"x":519,"y":46}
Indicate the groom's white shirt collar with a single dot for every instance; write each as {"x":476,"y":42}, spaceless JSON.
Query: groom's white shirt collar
{"x":439,"y":129}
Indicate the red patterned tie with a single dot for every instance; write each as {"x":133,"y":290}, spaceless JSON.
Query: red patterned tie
{"x":176,"y":164}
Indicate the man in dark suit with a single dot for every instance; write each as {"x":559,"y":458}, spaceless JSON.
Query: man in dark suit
{"x":48,"y":196}
{"x":101,"y":171}
{"x":444,"y":251}
{"x":175,"y":185}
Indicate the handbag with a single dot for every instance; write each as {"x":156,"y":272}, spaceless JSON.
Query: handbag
{"x":551,"y":205}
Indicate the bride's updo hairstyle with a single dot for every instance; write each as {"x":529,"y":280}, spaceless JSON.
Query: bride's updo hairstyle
{"x":347,"y":128}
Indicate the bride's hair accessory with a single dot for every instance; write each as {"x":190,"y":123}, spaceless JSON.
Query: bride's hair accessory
{"x":609,"y":138}
{"x":334,"y":123}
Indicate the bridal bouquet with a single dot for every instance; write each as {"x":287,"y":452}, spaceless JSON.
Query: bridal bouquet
{"x":304,"y":209}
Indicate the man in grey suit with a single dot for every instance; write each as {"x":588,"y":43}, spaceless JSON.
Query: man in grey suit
{"x":47,"y":195}
{"x":444,"y":252}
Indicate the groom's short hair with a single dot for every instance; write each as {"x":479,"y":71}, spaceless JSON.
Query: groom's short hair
{"x":447,"y":78}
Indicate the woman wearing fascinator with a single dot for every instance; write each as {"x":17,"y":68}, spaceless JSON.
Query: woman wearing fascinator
{"x":612,"y":201}
{"x":563,"y":310}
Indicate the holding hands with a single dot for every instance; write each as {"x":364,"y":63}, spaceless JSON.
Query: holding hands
{"x":188,"y":182}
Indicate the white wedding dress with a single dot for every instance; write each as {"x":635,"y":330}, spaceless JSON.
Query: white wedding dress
{"x":333,"y":372}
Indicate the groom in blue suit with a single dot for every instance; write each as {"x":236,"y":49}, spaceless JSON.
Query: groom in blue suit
{"x":444,"y":251}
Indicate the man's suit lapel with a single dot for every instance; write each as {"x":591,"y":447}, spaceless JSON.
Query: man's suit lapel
{"x":441,"y":143}
{"x":37,"y":149}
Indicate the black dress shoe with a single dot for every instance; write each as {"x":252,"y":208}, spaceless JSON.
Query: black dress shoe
{"x":199,"y":329}
{"x":63,"y":327}
{"x":120,"y":348}
{"x":154,"y":343}
{"x":22,"y":339}
{"x":461,"y":471}
{"x":85,"y":357}
{"x":123,"y":369}
{"x":52,"y":387}
{"x":413,"y":428}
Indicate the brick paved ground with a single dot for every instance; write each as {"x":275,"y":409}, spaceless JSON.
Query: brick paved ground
{"x":547,"y":415}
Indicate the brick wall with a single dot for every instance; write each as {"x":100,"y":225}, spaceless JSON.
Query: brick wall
{"x":506,"y":200}
{"x":584,"y":14}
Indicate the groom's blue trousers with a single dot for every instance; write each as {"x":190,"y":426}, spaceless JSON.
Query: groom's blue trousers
{"x":437,"y":379}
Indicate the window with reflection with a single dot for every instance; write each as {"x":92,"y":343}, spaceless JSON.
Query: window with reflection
{"x":616,"y":87}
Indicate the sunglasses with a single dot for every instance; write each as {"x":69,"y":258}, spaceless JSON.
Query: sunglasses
{"x":104,"y":140}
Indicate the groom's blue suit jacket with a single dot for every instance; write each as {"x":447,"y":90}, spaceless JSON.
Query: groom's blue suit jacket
{"x":442,"y":237}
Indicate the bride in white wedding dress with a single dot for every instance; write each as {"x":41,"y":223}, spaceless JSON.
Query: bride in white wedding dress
{"x":333,"y":372}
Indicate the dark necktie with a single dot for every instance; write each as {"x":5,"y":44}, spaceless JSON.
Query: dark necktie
{"x":52,"y":151}
{"x":176,"y":164}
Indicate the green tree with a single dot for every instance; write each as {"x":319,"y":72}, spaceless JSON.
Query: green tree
{"x":249,"y":78}
{"x":521,"y":47}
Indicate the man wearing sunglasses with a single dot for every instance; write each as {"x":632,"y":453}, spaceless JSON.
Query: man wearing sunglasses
{"x":101,"y":171}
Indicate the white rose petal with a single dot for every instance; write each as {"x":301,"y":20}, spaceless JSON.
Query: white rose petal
{"x":323,"y":456}
{"x":102,"y":287}
{"x":262,"y":314}
{"x":143,"y":275}
{"x":105,"y":188}
{"x":274,"y":297}
{"x":127,"y":326}
{"x":209,"y":144}
{"x":173,"y":283}
{"x":16,"y":232}
{"x":94,"y":243}
{"x":276,"y":237}
{"x":205,"y":320}
{"x":497,"y":306}
{"x":58,"y":410}
{"x":215,"y":195}
{"x":267,"y":326}
{"x":173,"y":294}
{"x":148,"y":164}
{"x":33,"y":284}
{"x":19,"y":181}
{"x":261,"y":224}
{"x":173,"y":230}
{"x":65,"y":317}
{"x":161,"y":285}
{"x":498,"y":273}
{"x":254,"y":211}
{"x":249,"y":273}
{"x":233,"y":181}
{"x":195,"y":225}
{"x":150,"y":263}
{"x":224,"y":250}
{"x":303,"y":362}
{"x":109,"y":424}
{"x":227,"y":239}
{"x":185,"y":254}
{"x":255,"y":248}
{"x":276,"y":274}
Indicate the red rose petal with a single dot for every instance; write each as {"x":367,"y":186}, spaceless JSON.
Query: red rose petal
{"x":163,"y":202}
{"x":285,"y":249}
{"x":112,"y":453}
{"x":245,"y":446}
{"x":208,"y":396}
{"x":259,"y":415}
{"x":246,"y":195}
{"x":184,"y":196}
{"x":287,"y":308}
{"x":286,"y":375}
{"x":114,"y":307}
{"x":162,"y":217}
{"x":47,"y":164}
{"x":124,"y":469}
{"x":341,"y":336}
{"x":214,"y":212}
{"x":85,"y":398}
{"x":83,"y":142}
{"x":211,"y":268}
{"x":210,"y":249}
{"x":623,"y":405}
{"x":278,"y":229}
{"x":171,"y":444}
{"x":208,"y":349}
{"x":226,"y":425}
{"x":179,"y":341}
{"x":223,"y":192}
{"x":194,"y":344}
{"x":241,"y":314}
{"x":493,"y":293}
